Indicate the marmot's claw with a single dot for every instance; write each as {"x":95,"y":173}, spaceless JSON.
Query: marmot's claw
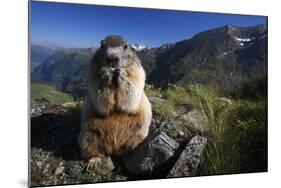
{"x":93,"y":162}
{"x":117,"y":71}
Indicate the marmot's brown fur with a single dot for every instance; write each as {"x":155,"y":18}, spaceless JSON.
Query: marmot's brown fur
{"x":116,"y":115}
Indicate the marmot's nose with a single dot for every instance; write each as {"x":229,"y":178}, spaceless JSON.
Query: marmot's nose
{"x":112,"y":59}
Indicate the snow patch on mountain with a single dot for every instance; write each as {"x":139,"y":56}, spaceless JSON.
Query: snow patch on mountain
{"x":139,"y":47}
{"x":245,"y":39}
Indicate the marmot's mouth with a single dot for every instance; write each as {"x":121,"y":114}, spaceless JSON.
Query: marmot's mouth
{"x":114,"y":65}
{"x":112,"y":59}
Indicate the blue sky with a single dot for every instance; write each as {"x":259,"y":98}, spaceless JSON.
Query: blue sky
{"x":77,"y":25}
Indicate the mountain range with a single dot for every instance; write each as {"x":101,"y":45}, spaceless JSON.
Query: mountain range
{"x":223,"y":56}
{"x":227,"y":52}
{"x":39,"y":53}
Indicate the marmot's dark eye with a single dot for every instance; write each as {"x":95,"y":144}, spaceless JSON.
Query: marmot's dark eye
{"x":126,"y":46}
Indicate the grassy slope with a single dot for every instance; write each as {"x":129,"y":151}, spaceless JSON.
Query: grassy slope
{"x":238,"y":132}
{"x":237,"y":136}
{"x":49,"y":92}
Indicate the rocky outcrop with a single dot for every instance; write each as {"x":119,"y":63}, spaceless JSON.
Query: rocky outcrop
{"x":155,"y":152}
{"x":42,"y":106}
{"x":170,"y":149}
{"x":189,"y":159}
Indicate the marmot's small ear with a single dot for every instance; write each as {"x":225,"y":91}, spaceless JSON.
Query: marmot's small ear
{"x":126,"y":46}
{"x":101,"y":43}
{"x":133,"y":49}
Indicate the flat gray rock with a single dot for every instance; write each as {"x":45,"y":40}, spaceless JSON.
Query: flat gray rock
{"x":154,"y":152}
{"x":155,"y":100}
{"x":75,"y":170}
{"x":189,"y":159}
{"x":59,"y":170}
{"x":196,"y":120}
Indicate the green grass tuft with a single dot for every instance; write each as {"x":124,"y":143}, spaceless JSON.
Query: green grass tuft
{"x":151,"y":91}
{"x":164,"y":109}
{"x":237,"y":132}
{"x":177,"y":95}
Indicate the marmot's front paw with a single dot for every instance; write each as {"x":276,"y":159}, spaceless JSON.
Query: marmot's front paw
{"x":107,"y":73}
{"x":107,"y":77}
{"x":121,"y":75}
{"x":116,"y":74}
{"x":118,"y":77}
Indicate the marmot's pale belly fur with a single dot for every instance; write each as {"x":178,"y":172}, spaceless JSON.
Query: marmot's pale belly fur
{"x":116,"y":134}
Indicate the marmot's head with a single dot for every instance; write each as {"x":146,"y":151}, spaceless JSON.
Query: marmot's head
{"x":116,"y":52}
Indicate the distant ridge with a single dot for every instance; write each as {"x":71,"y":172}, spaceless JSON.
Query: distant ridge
{"x":223,"y":56}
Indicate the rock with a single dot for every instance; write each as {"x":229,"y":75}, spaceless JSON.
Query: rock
{"x":174,"y":128}
{"x":183,"y":109}
{"x":105,"y":167}
{"x":181,"y":133}
{"x":59,"y":170}
{"x":155,"y":100}
{"x":195,"y":120}
{"x":37,"y":106}
{"x":172,"y":86}
{"x":148,"y":86}
{"x":46,"y":169}
{"x":184,"y":117}
{"x":174,"y":114}
{"x":39,"y":164}
{"x":118,"y":178}
{"x":224,"y":100}
{"x":165,"y":125}
{"x":70,"y":104}
{"x":155,"y":152}
{"x":42,"y":101}
{"x":189,"y":159}
{"x":75,"y":171}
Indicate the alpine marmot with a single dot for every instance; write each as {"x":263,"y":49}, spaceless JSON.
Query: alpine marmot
{"x":116,"y":115}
